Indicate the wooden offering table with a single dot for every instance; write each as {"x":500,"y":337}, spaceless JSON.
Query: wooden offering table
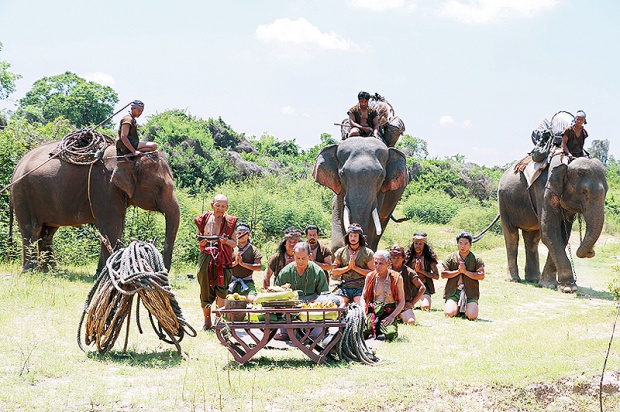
{"x":316,"y":347}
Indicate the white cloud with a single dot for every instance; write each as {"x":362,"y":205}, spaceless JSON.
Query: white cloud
{"x":487,"y":11}
{"x":287,"y":111}
{"x":448,"y":121}
{"x":377,"y":5}
{"x":101,"y":78}
{"x":301,"y":32}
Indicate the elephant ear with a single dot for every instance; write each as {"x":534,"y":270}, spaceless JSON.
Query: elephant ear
{"x":556,"y":180}
{"x":396,"y":175}
{"x":326,"y":167}
{"x":124,"y":177}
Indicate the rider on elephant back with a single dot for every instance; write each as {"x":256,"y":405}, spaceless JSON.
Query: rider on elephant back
{"x":217,"y":238}
{"x":363,"y":119}
{"x":128,"y":142}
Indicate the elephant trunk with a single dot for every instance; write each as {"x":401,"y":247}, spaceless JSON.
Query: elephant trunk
{"x":172,"y":214}
{"x":594,"y":225}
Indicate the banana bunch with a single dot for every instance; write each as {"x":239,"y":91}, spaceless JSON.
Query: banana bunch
{"x":326,"y":304}
{"x":235,"y":296}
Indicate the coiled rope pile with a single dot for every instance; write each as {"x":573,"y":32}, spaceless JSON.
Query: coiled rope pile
{"x":83,"y":147}
{"x":352,"y":347}
{"x":135,"y":270}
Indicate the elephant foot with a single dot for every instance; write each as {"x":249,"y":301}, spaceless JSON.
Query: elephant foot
{"x":532,"y":279}
{"x":568,"y":287}
{"x":513,"y":278}
{"x":548,"y":284}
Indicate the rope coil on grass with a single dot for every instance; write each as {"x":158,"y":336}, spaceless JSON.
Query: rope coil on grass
{"x":135,"y":270}
{"x":352,"y":346}
{"x":83,"y":147}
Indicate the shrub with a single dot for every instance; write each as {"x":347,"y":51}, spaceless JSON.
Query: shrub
{"x":431,"y":207}
{"x":475,"y":217}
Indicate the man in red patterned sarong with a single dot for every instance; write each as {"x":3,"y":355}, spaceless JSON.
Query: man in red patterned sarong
{"x":217,"y":238}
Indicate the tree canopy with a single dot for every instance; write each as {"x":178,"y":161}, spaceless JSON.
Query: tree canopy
{"x":7,"y":78}
{"x":82,"y":102}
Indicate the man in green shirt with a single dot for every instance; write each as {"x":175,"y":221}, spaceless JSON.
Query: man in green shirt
{"x":463,"y":271}
{"x":303,"y":274}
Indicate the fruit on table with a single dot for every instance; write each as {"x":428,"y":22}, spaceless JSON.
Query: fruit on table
{"x":235,"y":296}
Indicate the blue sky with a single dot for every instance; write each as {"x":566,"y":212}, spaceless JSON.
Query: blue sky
{"x":472,"y":77}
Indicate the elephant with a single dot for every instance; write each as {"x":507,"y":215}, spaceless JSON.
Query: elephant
{"x":368,"y":179}
{"x":546,"y":211}
{"x":49,"y":193}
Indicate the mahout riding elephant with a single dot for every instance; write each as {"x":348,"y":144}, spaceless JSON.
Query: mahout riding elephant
{"x":59,"y":193}
{"x":546,"y":211}
{"x":368,"y":179}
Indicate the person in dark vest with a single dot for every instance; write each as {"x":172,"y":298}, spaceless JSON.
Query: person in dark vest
{"x":363,"y":119}
{"x":574,"y":137}
{"x":421,"y":258}
{"x":283,"y":256}
{"x":412,"y":285}
{"x":320,"y":254}
{"x":128,"y":141}
{"x":464,"y":271}
{"x":216,"y":255}
{"x":246,"y":261}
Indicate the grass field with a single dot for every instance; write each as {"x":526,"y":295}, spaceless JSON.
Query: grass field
{"x":531,"y":349}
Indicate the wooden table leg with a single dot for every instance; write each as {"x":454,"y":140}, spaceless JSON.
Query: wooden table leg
{"x":241,"y":351}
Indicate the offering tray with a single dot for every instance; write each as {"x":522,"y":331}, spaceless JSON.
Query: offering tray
{"x":280,"y":304}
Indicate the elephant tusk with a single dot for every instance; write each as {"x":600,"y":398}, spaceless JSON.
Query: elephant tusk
{"x":346,"y":220}
{"x":375,"y":218}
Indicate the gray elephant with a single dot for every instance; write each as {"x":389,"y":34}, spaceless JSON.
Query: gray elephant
{"x":368,"y":179}
{"x":546,"y":211}
{"x":63,"y":194}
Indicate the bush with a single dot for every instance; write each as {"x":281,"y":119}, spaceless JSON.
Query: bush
{"x":475,"y":217}
{"x":431,"y":207}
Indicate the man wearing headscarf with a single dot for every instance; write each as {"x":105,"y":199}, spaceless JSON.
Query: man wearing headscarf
{"x":574,"y":137}
{"x":283,"y":256}
{"x":423,"y":260}
{"x":128,"y":141}
{"x":352,"y":263}
{"x":246,"y":260}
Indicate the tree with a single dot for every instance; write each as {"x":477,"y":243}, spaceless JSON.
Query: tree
{"x":600,"y":150}
{"x":413,"y":146}
{"x":84,"y":103}
{"x":7,"y":79}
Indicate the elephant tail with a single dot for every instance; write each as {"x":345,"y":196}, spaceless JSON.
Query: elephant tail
{"x":402,"y":219}
{"x":481,"y":234}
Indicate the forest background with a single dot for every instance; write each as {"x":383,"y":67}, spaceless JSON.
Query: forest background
{"x":267,"y":180}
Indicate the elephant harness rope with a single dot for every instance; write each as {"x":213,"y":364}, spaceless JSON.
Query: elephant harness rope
{"x":135,"y":270}
{"x":352,"y":346}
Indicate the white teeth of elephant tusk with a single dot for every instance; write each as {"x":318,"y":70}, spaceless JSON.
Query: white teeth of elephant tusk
{"x":346,"y":219}
{"x":375,"y":218}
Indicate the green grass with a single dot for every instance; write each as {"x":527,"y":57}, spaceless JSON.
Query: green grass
{"x":532,"y":349}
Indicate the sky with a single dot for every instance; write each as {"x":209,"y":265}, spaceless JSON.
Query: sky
{"x":470,"y":77}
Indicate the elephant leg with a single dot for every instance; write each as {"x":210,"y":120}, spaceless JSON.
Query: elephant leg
{"x":555,"y":231}
{"x":511,"y":239}
{"x":112,"y":230}
{"x":532,"y":264}
{"x":47,"y":258}
{"x":549,"y":273}
{"x":30,"y":235}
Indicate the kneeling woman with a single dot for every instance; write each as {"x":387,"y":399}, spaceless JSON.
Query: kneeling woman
{"x":383,"y":298}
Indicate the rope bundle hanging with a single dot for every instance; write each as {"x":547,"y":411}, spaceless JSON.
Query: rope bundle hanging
{"x":83,"y":147}
{"x":352,"y":347}
{"x":135,"y":270}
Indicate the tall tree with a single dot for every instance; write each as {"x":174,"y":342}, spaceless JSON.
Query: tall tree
{"x":600,"y":150}
{"x":83,"y":102}
{"x":7,"y":79}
